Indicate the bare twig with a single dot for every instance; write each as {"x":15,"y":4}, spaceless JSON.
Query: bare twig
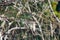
{"x":39,"y":27}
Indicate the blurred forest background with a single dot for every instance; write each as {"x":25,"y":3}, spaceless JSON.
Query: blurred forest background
{"x":29,"y":20}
